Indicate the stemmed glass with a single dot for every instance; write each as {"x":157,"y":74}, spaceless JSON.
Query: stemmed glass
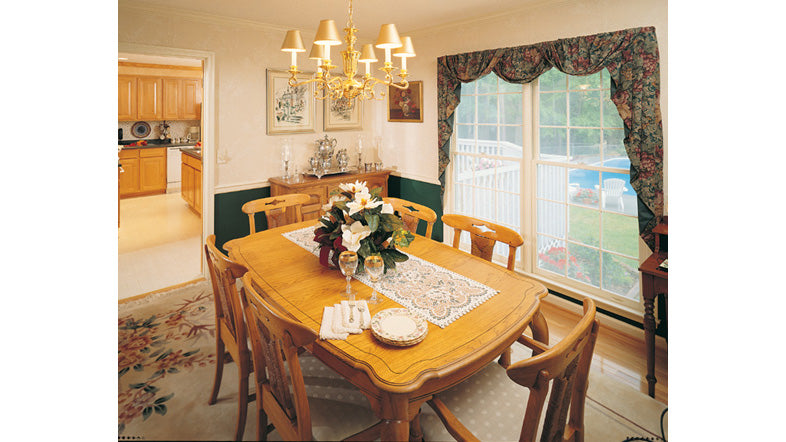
{"x":375,"y":266}
{"x":348,"y":263}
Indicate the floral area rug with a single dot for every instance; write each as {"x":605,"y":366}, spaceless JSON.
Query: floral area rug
{"x":166,"y":362}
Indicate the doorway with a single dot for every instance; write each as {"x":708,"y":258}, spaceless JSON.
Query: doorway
{"x":159,"y":236}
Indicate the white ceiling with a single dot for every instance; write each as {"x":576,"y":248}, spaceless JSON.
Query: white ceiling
{"x":368,"y":15}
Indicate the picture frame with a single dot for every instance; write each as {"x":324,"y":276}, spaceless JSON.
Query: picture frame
{"x":343,"y":114}
{"x":406,"y":106}
{"x":289,"y":110}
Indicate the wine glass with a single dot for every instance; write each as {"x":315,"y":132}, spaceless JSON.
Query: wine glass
{"x":375,"y":266}
{"x":348,"y":263}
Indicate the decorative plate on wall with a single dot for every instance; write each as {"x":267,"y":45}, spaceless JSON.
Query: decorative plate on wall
{"x":140,"y":129}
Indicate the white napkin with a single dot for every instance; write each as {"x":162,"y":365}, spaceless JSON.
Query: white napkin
{"x":326,"y":330}
{"x":362,"y":321}
{"x":341,"y":319}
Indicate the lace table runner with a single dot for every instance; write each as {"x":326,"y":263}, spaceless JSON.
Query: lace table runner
{"x":436,"y":293}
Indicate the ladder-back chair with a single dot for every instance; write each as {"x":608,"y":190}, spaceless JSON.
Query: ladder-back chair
{"x":275,"y":208}
{"x":411,"y":213}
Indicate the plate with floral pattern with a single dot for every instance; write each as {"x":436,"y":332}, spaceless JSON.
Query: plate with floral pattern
{"x":399,"y":327}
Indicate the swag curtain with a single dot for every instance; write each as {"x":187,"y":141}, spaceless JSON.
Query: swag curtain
{"x":631,"y":58}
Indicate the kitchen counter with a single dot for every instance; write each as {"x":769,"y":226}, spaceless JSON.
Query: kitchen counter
{"x":193,"y":152}
{"x":152,"y":143}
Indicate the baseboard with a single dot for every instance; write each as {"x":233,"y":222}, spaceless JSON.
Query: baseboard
{"x":606,"y":321}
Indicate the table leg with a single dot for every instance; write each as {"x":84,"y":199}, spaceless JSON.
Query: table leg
{"x":395,"y":415}
{"x":648,"y":292}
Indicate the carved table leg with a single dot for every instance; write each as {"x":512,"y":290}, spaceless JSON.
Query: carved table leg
{"x":395,"y":413}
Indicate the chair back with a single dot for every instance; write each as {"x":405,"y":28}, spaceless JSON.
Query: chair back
{"x":275,"y":340}
{"x":275,"y":208}
{"x":411,"y":213}
{"x":614,"y":187}
{"x":565,"y":367}
{"x":484,"y":235}
{"x":229,"y":309}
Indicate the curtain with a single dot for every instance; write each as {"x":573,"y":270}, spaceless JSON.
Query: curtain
{"x":631,"y":58}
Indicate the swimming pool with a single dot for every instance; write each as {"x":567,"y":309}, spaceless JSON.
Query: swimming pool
{"x":588,"y":179}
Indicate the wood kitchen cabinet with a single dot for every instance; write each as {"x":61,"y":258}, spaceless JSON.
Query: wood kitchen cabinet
{"x":319,"y":189}
{"x":150,"y":98}
{"x":126,"y":97}
{"x":191,"y":181}
{"x":144,"y":172}
{"x":182,"y":99}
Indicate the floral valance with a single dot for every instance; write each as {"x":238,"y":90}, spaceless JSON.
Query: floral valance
{"x":631,"y":58}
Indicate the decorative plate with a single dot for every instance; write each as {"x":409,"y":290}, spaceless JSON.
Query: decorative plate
{"x":399,"y":327}
{"x":140,"y":129}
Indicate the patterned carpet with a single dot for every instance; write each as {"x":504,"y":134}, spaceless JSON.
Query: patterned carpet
{"x":166,"y":357}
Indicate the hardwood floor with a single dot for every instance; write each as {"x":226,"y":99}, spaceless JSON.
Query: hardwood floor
{"x":617,"y":355}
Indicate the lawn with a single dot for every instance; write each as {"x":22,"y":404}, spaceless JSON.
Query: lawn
{"x":620,"y":232}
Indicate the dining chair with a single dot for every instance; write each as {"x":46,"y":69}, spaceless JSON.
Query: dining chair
{"x":327,"y":406}
{"x":275,"y":208}
{"x":231,"y":334}
{"x":411,"y":213}
{"x":484,"y":236}
{"x":560,"y":373}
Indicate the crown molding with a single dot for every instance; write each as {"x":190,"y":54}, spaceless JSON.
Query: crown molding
{"x":200,"y":17}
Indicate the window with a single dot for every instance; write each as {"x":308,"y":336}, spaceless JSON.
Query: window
{"x":554,"y":168}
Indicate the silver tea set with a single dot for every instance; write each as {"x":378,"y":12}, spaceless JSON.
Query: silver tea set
{"x":327,"y":159}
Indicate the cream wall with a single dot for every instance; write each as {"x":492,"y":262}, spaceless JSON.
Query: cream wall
{"x":248,"y":157}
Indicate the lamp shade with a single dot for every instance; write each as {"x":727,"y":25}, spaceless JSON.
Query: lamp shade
{"x":327,"y":34}
{"x":406,"y":50}
{"x":388,"y":37}
{"x":367,"y":54}
{"x":293,"y":42}
{"x":317,"y":52}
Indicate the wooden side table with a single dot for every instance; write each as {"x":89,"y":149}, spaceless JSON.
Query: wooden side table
{"x":654,"y":282}
{"x":320,"y":189}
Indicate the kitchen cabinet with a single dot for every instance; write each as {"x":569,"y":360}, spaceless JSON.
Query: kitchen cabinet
{"x":150,"y":93}
{"x":126,"y":97}
{"x":191,"y":181}
{"x":144,"y":172}
{"x":320,"y":189}
{"x":182,"y":99}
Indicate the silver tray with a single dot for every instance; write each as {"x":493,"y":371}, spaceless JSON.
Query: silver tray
{"x":333,"y":171}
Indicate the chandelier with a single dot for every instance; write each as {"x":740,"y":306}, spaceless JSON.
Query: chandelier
{"x":349,"y":86}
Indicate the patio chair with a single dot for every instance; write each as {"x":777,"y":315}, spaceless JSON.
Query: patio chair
{"x":614,"y":188}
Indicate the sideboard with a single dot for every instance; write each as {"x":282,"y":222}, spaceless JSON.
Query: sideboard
{"x":319,"y":188}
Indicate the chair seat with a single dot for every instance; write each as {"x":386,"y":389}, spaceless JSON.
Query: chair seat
{"x":492,"y":406}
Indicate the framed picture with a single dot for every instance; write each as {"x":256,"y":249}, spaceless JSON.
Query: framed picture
{"x":406,"y":105}
{"x":289,"y":110}
{"x":343,"y":114}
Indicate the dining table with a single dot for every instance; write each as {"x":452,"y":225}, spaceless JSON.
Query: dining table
{"x":397,"y":380}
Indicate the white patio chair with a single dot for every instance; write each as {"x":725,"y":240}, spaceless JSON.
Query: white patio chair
{"x":614,"y":188}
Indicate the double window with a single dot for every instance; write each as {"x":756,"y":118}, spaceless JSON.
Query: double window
{"x":547,"y":159}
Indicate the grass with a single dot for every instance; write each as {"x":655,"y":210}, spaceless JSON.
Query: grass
{"x":620,"y":232}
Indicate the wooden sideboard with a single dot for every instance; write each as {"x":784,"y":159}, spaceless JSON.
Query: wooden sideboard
{"x":654,"y":283}
{"x":319,"y":189}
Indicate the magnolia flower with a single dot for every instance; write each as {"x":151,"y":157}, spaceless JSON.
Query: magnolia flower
{"x":356,"y":187}
{"x":387,"y":208}
{"x":333,"y":199}
{"x":363,"y":200}
{"x":353,"y":235}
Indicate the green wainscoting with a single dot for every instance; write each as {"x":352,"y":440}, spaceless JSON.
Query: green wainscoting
{"x":231,"y":222}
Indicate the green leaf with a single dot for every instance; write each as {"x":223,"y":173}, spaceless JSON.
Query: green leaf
{"x":160,"y":409}
{"x":376,"y":192}
{"x":151,"y":389}
{"x":161,"y":400}
{"x":192,"y":352}
{"x":172,"y":370}
{"x":122,"y":372}
{"x":372,"y":220}
{"x":158,"y":373}
{"x":165,"y":354}
{"x":139,"y":367}
{"x":146,"y":412}
{"x":137,"y":386}
{"x":145,"y":350}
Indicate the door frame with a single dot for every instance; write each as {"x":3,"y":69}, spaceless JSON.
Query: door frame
{"x":209,"y":147}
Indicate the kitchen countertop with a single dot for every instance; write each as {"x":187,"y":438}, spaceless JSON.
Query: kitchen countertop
{"x":153,"y":143}
{"x":196,"y":153}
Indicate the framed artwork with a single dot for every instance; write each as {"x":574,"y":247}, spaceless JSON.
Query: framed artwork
{"x":343,"y":114}
{"x":289,"y":110}
{"x":406,"y":105}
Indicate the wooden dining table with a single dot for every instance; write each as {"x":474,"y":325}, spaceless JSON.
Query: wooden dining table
{"x":396,"y":380}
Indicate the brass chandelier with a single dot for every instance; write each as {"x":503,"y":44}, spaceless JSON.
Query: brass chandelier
{"x":348,"y":86}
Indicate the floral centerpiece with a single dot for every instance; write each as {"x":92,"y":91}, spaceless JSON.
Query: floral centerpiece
{"x":357,"y":219}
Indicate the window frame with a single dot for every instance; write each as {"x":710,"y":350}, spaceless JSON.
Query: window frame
{"x":526,"y":262}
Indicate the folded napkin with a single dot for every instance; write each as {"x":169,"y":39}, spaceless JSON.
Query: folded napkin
{"x":326,"y":329}
{"x":362,"y":321}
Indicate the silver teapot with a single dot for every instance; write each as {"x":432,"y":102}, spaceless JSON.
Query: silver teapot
{"x":343,"y":159}
{"x":325,"y":147}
